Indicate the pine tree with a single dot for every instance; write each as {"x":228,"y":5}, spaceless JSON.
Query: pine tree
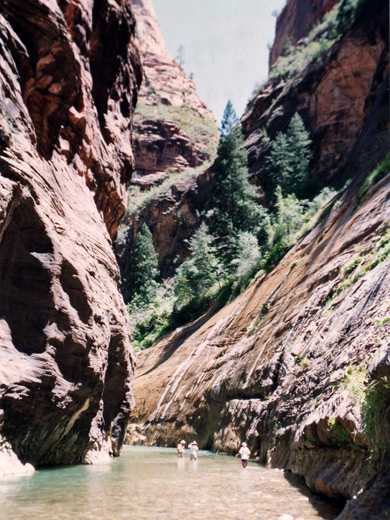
{"x":144,"y":270}
{"x":290,"y":158}
{"x":201,"y":270}
{"x":234,"y":209}
{"x":229,"y":120}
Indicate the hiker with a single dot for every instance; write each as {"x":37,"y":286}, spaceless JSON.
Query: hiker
{"x":181,"y":448}
{"x":193,"y":450}
{"x":245,"y":454}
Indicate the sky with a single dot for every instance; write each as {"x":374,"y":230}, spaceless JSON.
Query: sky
{"x":224,"y":45}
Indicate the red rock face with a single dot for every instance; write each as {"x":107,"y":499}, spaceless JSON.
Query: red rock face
{"x":272,"y":366}
{"x":171,"y":217}
{"x":295,"y":22}
{"x":160,"y":144}
{"x":172,"y":127}
{"x":65,"y":163}
{"x":334,"y":97}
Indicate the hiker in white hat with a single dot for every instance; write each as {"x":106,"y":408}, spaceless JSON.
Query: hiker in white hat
{"x":193,"y":450}
{"x":245,"y":454}
{"x":181,"y":448}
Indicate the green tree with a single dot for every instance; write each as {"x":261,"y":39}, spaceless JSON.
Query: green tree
{"x":229,"y":120}
{"x":144,"y":270}
{"x":246,"y":255}
{"x":201,"y":270}
{"x":286,"y":221}
{"x":349,"y":12}
{"x":234,"y":208}
{"x":290,"y":158}
{"x":288,"y":218}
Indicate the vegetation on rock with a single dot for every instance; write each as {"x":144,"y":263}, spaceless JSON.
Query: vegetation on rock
{"x":238,"y":237}
{"x":141,"y":282}
{"x":290,"y":158}
{"x":201,"y":270}
{"x":321,"y":38}
{"x":201,"y":131}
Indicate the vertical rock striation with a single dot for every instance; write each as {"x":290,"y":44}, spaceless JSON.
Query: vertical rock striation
{"x":69,"y":75}
{"x":285,"y":365}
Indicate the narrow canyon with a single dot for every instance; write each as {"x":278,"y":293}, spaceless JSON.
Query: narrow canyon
{"x":102,"y":135}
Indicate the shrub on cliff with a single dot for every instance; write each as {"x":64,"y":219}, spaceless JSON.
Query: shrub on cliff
{"x":149,"y":322}
{"x":312,"y":49}
{"x":376,"y":417}
{"x":378,"y":173}
{"x":349,"y":12}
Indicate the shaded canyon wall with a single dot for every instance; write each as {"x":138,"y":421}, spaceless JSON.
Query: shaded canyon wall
{"x":69,"y":76}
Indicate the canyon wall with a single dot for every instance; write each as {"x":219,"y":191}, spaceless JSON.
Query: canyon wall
{"x":172,"y":126}
{"x":69,"y":76}
{"x":285,"y":366}
{"x":174,"y":132}
{"x":334,"y":95}
{"x":295,"y":21}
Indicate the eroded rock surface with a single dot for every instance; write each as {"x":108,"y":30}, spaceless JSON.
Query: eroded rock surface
{"x":65,"y":164}
{"x":172,"y":126}
{"x":173,"y":132}
{"x":334,"y":96}
{"x":273,"y":366}
{"x":295,"y":21}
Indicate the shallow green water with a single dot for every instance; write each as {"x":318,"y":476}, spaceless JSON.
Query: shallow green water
{"x":152,"y":483}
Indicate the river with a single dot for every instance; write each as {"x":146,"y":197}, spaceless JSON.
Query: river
{"x":153,"y":484}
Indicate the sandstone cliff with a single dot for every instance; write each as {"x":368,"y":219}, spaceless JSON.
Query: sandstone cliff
{"x":172,"y":126}
{"x":174,"y":133}
{"x":295,"y":21}
{"x":69,"y":76}
{"x":334,"y":95}
{"x":285,"y":366}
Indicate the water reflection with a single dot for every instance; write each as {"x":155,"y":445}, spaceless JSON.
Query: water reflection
{"x":152,"y":483}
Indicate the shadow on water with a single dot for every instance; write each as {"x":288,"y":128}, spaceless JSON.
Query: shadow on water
{"x":327,"y":508}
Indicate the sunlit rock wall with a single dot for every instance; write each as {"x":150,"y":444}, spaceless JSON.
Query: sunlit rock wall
{"x":273,"y":366}
{"x":173,"y":131}
{"x":295,"y":21}
{"x":69,"y":75}
{"x":334,"y":95}
{"x":172,"y":128}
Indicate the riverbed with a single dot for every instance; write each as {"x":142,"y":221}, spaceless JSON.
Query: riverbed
{"x":153,"y":484}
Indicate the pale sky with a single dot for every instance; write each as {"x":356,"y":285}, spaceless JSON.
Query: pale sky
{"x":225,"y":45}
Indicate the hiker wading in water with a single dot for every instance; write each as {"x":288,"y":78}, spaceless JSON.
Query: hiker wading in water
{"x":193,"y":450}
{"x":245,"y":454}
{"x":181,"y":448}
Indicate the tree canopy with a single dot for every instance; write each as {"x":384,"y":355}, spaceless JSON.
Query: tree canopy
{"x":290,"y":158}
{"x":144,"y":270}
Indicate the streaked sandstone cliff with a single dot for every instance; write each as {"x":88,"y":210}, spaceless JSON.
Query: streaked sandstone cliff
{"x":275,"y":366}
{"x":69,"y":76}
